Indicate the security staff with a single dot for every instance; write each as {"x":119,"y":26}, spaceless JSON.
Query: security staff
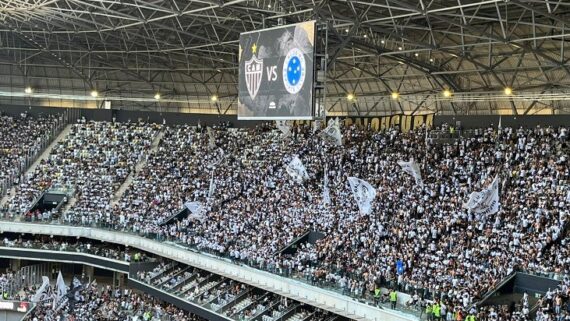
{"x":436,"y":311}
{"x":470,"y":317}
{"x":393,"y":298}
{"x":429,"y":311}
{"x":377,"y":294}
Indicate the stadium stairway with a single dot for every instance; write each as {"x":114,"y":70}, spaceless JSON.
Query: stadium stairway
{"x":496,"y":288}
{"x":140,"y":165}
{"x":44,"y":155}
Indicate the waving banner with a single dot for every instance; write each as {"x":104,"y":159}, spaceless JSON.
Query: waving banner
{"x":486,"y":201}
{"x":43,"y":291}
{"x":211,"y":138}
{"x":284,"y":127}
{"x":297,"y":170}
{"x":60,"y":290}
{"x":212,"y":187}
{"x":326,"y":191}
{"x":332,"y":133}
{"x":316,"y":125}
{"x":363,"y":193}
{"x":413,"y":169}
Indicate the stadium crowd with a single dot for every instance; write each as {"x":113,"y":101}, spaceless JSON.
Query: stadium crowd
{"x":103,"y":303}
{"x":22,"y":137}
{"x":256,"y":209}
{"x":94,"y":159}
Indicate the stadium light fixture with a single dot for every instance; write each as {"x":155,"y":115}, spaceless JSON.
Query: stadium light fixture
{"x":447,"y":93}
{"x":94,"y":93}
{"x":395,"y":95}
{"x":508,"y":91}
{"x":350,"y":97}
{"x":28,"y":90}
{"x":214,"y":98}
{"x":157,"y":96}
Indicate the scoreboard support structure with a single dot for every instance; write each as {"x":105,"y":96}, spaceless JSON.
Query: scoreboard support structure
{"x":322,"y":70}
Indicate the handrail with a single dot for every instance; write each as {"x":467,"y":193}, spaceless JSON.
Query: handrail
{"x":60,"y":256}
{"x":286,"y":246}
{"x":296,"y":290}
{"x":497,"y":287}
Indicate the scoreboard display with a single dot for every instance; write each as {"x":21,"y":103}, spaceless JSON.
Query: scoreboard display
{"x":276,"y":73}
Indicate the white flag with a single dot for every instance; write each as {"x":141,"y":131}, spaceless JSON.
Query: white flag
{"x":196,"y":208}
{"x":363,"y":193}
{"x":42,"y":291}
{"x":413,"y":169}
{"x":486,"y":201}
{"x":211,"y":138}
{"x":60,"y":290}
{"x":332,"y":133}
{"x":76,"y":284}
{"x":284,"y":127}
{"x":326,"y":191}
{"x":316,"y":125}
{"x":212,"y":188}
{"x":297,"y":171}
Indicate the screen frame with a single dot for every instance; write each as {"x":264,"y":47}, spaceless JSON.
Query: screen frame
{"x":313,"y":81}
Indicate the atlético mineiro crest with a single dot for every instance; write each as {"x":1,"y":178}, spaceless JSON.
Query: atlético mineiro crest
{"x":253,"y":75}
{"x":294,"y":71}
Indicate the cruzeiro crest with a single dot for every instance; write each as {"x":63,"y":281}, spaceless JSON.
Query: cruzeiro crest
{"x":294,"y":71}
{"x":253,"y":75}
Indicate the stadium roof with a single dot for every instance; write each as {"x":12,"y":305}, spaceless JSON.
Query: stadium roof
{"x":129,"y":50}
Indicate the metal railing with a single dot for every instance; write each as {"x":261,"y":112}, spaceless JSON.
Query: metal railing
{"x":363,"y":296}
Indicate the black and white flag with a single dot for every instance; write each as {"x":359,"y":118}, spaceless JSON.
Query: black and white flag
{"x":486,"y":201}
{"x":284,"y":127}
{"x":212,"y":188}
{"x":326,"y":191}
{"x":60,"y":291}
{"x":42,"y":293}
{"x":413,"y":169}
{"x":332,"y":133}
{"x":211,"y":138}
{"x":297,"y":170}
{"x":363,"y":193}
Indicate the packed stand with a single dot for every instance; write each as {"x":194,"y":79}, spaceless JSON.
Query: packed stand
{"x":94,"y":159}
{"x":242,"y":164}
{"x":22,"y":138}
{"x":446,"y":252}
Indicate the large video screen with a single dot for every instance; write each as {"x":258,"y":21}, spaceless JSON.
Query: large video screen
{"x":276,"y":72}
